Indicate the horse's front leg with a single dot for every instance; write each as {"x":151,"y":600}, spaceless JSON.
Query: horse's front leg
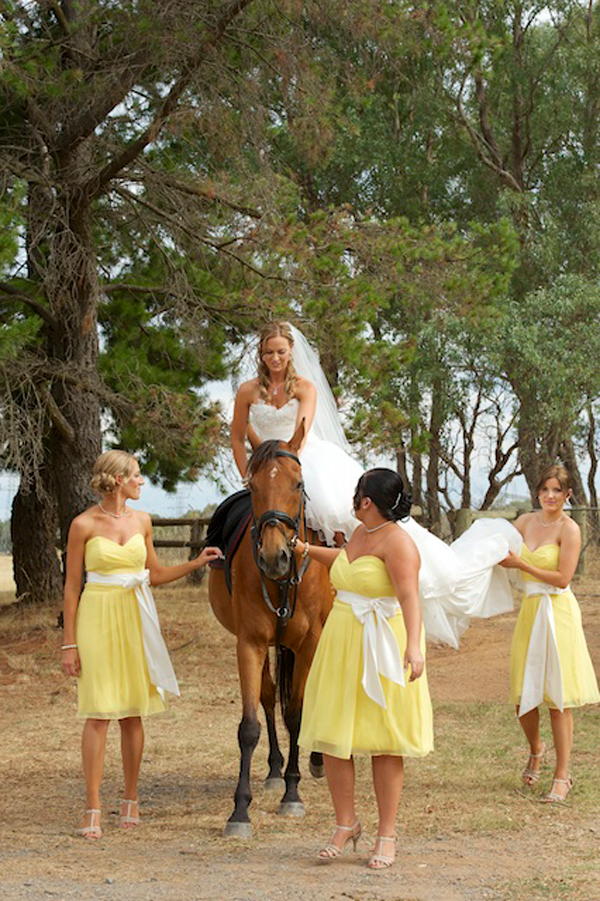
{"x":291,"y":803}
{"x":251,"y":658}
{"x":274,"y":780}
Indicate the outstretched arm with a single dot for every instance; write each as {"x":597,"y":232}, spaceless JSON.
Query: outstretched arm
{"x":325,"y":555}
{"x":161,"y":575}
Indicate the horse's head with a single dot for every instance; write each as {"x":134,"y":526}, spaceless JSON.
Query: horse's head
{"x":275,"y":481}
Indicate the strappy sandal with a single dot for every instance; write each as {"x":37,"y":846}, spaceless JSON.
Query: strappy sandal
{"x":531,"y":776}
{"x":379,"y":861}
{"x":92,"y":830}
{"x":127,"y":820}
{"x":331,"y":851}
{"x":553,"y":797}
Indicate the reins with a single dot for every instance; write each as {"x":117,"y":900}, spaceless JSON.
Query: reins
{"x":288,"y":587}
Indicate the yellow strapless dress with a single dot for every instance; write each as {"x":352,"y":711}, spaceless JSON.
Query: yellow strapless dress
{"x":114,"y":681}
{"x":579,"y":679}
{"x":338,"y":717}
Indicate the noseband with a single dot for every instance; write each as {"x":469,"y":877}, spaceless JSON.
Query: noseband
{"x":278,"y":519}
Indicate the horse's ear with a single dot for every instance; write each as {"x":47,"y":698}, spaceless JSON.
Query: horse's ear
{"x":298,"y":436}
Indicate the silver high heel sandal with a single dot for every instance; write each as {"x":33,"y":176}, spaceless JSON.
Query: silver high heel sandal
{"x":553,"y":797}
{"x":379,"y":861}
{"x":127,"y":820}
{"x":93,"y":830}
{"x":331,"y":851}
{"x":531,"y":776}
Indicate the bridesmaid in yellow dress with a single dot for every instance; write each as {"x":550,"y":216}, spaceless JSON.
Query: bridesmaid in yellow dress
{"x":360,"y":697}
{"x":112,"y":640}
{"x":549,"y":661}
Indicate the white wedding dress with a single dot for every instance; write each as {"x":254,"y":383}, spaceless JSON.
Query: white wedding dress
{"x":456,"y":582}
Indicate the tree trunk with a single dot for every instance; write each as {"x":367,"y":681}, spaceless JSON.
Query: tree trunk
{"x":591,"y":448}
{"x":34,"y":533}
{"x":433,"y":467}
{"x":567,"y":455}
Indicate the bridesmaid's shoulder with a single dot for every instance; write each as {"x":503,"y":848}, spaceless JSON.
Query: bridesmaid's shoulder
{"x":570,"y":529}
{"x":521,"y":522}
{"x":399,"y":541}
{"x":82,"y":525}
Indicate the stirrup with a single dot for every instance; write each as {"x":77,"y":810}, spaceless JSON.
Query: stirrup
{"x":331,"y":851}
{"x":93,"y":830}
{"x":530,"y":776}
{"x":381,"y":861}
{"x":126,"y":819}
{"x":553,"y":797}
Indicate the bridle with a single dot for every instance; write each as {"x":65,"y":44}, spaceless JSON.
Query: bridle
{"x":278,"y":519}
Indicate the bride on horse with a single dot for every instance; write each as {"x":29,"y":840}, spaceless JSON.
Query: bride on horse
{"x":456,"y":581}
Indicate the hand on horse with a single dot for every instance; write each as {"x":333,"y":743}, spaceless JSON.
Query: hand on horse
{"x":208,"y":554}
{"x":414,"y":658}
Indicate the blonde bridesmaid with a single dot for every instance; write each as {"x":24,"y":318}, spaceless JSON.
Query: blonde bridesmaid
{"x":112,"y":640}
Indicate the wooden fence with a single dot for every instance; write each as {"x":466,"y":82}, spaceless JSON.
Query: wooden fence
{"x":197,"y":527}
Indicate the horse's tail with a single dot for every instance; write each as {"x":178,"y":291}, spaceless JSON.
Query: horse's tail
{"x":284,"y":675}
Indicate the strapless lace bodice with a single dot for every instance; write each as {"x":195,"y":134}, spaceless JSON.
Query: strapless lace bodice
{"x":270,"y":422}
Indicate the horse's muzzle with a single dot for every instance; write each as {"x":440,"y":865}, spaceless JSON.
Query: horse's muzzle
{"x":275,"y":564}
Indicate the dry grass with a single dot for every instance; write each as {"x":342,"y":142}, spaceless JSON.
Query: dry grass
{"x":468,"y":832}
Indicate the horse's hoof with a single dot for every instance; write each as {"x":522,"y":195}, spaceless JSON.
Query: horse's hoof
{"x":292,"y":809}
{"x":316,"y":770}
{"x":275,"y":785}
{"x":238,"y":830}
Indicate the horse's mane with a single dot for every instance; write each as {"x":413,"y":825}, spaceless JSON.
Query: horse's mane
{"x":264,"y":453}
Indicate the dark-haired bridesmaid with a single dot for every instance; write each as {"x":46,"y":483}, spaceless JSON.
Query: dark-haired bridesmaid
{"x":366,"y":692}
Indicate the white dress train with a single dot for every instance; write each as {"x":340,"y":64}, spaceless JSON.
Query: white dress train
{"x":456,"y":582}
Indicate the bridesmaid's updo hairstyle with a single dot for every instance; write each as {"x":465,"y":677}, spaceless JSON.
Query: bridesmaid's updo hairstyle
{"x":560,"y":473}
{"x":275,"y":329}
{"x":107,"y":467}
{"x":387,"y":491}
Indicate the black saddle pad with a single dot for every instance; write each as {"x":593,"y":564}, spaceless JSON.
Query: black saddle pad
{"x":227,"y":526}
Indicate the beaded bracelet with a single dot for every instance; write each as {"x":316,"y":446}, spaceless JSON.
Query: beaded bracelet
{"x":68,"y":647}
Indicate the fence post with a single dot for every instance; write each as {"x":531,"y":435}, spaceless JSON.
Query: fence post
{"x":579,"y":515}
{"x":198,"y":530}
{"x":464,"y":519}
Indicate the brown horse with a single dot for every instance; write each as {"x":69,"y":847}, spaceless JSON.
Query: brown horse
{"x":272,"y":603}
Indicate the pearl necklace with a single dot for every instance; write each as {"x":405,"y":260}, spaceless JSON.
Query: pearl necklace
{"x":376,"y":529}
{"x":125,"y":512}
{"x":546,"y":525}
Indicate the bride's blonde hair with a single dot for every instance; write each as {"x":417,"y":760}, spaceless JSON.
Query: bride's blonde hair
{"x":275,"y":329}
{"x":107,"y":467}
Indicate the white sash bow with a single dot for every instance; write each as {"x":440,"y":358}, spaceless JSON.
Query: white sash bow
{"x":543,"y":674}
{"x":160,"y":668}
{"x":381,"y":654}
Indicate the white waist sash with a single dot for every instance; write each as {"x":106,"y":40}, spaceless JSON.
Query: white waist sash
{"x":380,"y":648}
{"x":160,"y":668}
{"x":543,"y":674}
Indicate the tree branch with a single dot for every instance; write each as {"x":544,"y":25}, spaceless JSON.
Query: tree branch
{"x":149,"y":135}
{"x":18,"y":296}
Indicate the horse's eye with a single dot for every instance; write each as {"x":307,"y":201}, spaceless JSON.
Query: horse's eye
{"x":299,"y":486}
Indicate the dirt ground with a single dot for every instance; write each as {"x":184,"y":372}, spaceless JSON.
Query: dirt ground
{"x":467,"y":830}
